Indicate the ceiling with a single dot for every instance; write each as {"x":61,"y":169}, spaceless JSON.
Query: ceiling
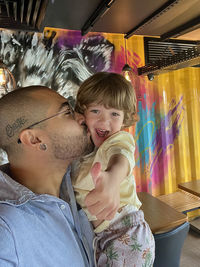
{"x":167,"y":19}
{"x":22,"y":14}
{"x":159,"y":18}
{"x":162,"y":18}
{"x":141,"y":17}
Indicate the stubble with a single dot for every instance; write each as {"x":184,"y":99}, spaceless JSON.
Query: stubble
{"x":71,"y":147}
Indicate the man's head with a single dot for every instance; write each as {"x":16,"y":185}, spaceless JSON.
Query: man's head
{"x":56,"y":133}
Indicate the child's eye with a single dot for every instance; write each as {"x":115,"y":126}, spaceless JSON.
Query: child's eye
{"x":94,"y":111}
{"x":115,"y":114}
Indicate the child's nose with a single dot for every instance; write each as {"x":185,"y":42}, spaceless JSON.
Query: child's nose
{"x":104,"y":118}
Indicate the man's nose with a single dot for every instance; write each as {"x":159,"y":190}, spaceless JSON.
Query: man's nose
{"x":79,"y":118}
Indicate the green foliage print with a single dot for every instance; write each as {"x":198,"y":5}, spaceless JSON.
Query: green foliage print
{"x":111,"y":254}
{"x":126,"y":221}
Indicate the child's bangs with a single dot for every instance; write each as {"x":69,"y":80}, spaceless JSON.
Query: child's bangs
{"x":109,"y":97}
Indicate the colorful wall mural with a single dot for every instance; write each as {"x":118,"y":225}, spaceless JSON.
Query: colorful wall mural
{"x":167,"y":134}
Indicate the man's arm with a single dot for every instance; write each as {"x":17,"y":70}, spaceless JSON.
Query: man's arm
{"x":8,"y":255}
{"x":104,"y":200}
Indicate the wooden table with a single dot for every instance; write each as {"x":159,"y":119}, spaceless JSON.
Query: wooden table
{"x":160,"y":216}
{"x":192,"y":187}
{"x":181,"y":201}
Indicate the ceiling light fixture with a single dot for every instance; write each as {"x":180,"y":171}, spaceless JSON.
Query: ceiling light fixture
{"x":150,"y":76}
{"x":7,"y":80}
{"x":126,"y":70}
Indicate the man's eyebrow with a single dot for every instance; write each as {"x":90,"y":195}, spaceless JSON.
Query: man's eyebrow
{"x":64,"y":105}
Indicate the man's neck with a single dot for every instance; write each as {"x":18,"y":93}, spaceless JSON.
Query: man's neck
{"x":40,"y":180}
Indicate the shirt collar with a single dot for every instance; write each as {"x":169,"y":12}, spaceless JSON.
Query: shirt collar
{"x":14,"y":193}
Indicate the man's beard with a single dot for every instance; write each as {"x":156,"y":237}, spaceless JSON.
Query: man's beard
{"x":71,"y":147}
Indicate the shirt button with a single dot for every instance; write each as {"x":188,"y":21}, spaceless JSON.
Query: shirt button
{"x":62,"y":207}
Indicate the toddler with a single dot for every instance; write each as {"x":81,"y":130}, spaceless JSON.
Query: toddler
{"x":108,"y":103}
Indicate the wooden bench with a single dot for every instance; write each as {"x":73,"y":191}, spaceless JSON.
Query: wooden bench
{"x":181,"y":201}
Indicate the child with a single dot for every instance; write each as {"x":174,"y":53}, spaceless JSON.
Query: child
{"x":108,"y":103}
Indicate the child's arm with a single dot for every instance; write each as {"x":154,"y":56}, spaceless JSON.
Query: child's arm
{"x":103,"y":201}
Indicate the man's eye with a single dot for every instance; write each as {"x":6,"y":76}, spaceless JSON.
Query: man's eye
{"x":69,"y":111}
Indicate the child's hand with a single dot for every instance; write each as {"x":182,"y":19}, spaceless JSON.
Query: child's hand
{"x":103,"y":201}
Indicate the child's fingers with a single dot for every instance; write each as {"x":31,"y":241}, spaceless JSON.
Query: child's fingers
{"x":106,"y":214}
{"x":95,"y":171}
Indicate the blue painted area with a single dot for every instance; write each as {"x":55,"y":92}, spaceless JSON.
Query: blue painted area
{"x":145,"y":133}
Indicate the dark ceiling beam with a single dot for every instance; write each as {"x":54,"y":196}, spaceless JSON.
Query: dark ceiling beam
{"x":15,"y":10}
{"x":151,"y":17}
{"x":7,"y":8}
{"x":185,"y":28}
{"x":24,"y":15}
{"x":36,"y":12}
{"x":41,"y":14}
{"x":28,"y":15}
{"x":15,"y":25}
{"x":96,"y":15}
{"x":22,"y":11}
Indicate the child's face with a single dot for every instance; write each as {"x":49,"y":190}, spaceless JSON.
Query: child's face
{"x":103,"y":122}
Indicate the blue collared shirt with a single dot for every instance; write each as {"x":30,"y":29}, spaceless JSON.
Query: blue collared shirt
{"x":42,"y":230}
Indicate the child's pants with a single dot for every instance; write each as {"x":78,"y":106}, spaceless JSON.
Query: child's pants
{"x":127,"y":242}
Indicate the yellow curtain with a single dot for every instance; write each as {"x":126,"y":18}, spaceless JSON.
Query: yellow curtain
{"x":168,"y":133}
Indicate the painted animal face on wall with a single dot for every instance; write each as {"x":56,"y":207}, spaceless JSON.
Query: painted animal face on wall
{"x":59,"y":62}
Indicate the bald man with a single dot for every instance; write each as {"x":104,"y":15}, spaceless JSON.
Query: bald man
{"x":39,"y":221}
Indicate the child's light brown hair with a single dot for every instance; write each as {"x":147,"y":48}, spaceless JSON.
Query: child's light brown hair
{"x":111,"y":90}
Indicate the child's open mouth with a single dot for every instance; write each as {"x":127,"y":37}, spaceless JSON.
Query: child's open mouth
{"x":102,"y":133}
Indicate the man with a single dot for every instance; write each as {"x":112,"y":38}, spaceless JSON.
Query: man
{"x":38,"y":227}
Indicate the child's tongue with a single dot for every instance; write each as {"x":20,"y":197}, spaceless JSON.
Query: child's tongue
{"x":102,"y":133}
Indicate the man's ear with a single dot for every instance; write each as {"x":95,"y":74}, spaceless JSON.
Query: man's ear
{"x":29,"y":137}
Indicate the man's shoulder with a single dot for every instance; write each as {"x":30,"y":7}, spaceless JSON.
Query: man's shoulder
{"x":7,"y":212}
